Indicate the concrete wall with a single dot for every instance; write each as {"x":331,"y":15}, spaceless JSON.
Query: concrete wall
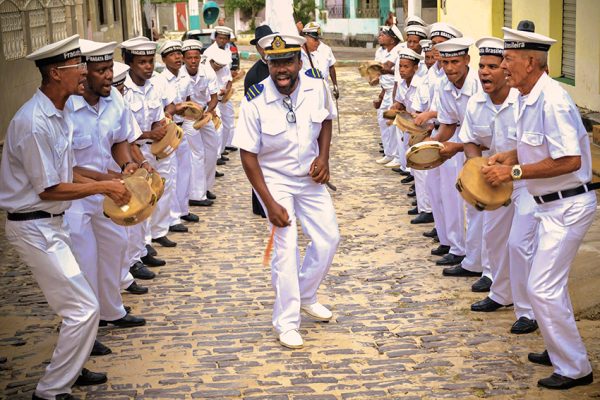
{"x":351,"y":27}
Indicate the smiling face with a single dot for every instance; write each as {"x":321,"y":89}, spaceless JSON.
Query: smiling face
{"x":99,"y":78}
{"x":490,"y":74}
{"x":284,"y":73}
{"x":456,"y":68}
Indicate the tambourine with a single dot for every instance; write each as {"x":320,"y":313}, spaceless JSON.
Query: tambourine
{"x":138,"y":209}
{"x":199,"y":124}
{"x":156,"y":182}
{"x":476,"y":191}
{"x":417,"y":133}
{"x":192,"y":111}
{"x":425,"y":155}
{"x":227,"y":96}
{"x":373,"y":73}
{"x":217,"y":121}
{"x":169,"y":143}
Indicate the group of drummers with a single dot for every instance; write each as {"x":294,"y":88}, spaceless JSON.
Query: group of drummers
{"x":99,"y":166}
{"x":500,"y":162}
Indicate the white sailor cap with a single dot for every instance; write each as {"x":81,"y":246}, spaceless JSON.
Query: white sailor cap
{"x":223,"y":30}
{"x":490,"y":46}
{"x":394,"y":32}
{"x":170,"y":46}
{"x":454,"y":47}
{"x":414,"y":20}
{"x":444,"y":30}
{"x":119,"y":73}
{"x":139,"y":46}
{"x":218,"y":55}
{"x":408,"y":54}
{"x":97,"y":51}
{"x":523,"y":40}
{"x":426,"y":45}
{"x":56,"y":52}
{"x":417,"y":30}
{"x":279,"y":46}
{"x":312,"y":29}
{"x":191,"y":44}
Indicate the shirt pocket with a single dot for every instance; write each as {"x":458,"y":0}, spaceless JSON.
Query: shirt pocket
{"x":274,"y":135}
{"x":532,"y":138}
{"x":82,"y":141}
{"x":512,"y":134}
{"x":136,"y":106}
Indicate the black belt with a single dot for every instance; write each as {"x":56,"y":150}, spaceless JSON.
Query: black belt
{"x":566,"y":193}
{"x":436,"y":125}
{"x":179,"y":123}
{"x":28,"y":216}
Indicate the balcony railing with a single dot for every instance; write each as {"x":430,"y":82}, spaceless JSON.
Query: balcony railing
{"x":336,"y":11}
{"x":367,"y":12}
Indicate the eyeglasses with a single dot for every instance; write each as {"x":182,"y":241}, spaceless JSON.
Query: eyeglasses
{"x":81,"y":66}
{"x":290,"y":116}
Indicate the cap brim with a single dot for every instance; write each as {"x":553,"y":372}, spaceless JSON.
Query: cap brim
{"x":281,"y":56}
{"x":253,"y":42}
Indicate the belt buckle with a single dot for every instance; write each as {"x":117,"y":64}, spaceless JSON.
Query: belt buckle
{"x":560,"y":195}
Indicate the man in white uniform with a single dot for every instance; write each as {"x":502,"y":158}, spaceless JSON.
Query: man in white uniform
{"x":284,"y":134}
{"x":36,"y":175}
{"x":553,"y":157}
{"x":321,"y":55}
{"x":509,"y":232}
{"x":203,"y":141}
{"x":102,"y":132}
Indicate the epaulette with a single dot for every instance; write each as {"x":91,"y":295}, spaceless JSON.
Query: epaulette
{"x":314,"y":73}
{"x":254,"y":91}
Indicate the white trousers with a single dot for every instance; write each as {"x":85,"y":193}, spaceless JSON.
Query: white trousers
{"x":43,"y":245}
{"x":296,"y":281}
{"x":198,"y":168}
{"x":496,"y":230}
{"x":137,"y":238}
{"x":474,"y":249}
{"x":388,"y":132}
{"x":453,"y":209}
{"x":210,"y":138}
{"x":423,"y":201}
{"x":562,"y":226}
{"x":227,"y":117}
{"x":402,"y":140}
{"x":433,"y":183}
{"x":100,"y":248}
{"x":184,"y":176}
{"x":167,"y":168}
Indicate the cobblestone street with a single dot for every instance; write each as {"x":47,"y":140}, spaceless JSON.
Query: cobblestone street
{"x":400,"y":330}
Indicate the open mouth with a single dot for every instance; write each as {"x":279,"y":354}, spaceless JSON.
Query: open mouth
{"x":283,"y":79}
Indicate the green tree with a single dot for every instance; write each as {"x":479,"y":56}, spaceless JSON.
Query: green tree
{"x":247,"y":7}
{"x":304,"y":10}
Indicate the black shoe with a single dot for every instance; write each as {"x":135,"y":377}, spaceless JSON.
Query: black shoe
{"x":440,"y":250}
{"x":178,"y":228}
{"x":412,"y":193}
{"x":219,"y":174}
{"x":422,"y":218}
{"x":450,"y":259}
{"x":99,"y":349}
{"x":164,"y":241}
{"x":414,"y":211}
{"x":408,"y":179}
{"x":134,"y":288}
{"x":458,"y":270}
{"x":153,"y":261}
{"x":524,"y":325}
{"x":483,"y":284}
{"x":127,"y":321}
{"x":412,"y":187}
{"x":225,"y":153}
{"x":487,"y":305}
{"x":210,"y":195}
{"x":431,"y":233}
{"x":88,"y":378}
{"x":200,"y":203}
{"x":139,"y":271}
{"x":397,"y":170}
{"x":231,"y":148}
{"x":414,"y":203}
{"x":190,"y":218}
{"x":540,"y":358}
{"x":382,"y":151}
{"x":127,"y":309}
{"x":223,"y":158}
{"x":61,"y":396}
{"x":151,"y":250}
{"x":220,"y":162}
{"x":559,"y":382}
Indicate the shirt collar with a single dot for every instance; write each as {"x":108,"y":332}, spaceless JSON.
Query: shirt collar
{"x":537,"y":89}
{"x":130,"y":84}
{"x":47,"y":106}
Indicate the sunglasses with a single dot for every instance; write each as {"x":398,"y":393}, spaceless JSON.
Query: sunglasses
{"x":290,"y":116}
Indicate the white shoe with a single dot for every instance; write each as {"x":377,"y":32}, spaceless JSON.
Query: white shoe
{"x":291,"y":339}
{"x":384,"y":160}
{"x":318,"y":311}
{"x":392,"y":164}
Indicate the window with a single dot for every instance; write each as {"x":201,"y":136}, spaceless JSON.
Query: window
{"x":568,"y":47}
{"x":116,"y":9}
{"x":335,"y":8}
{"x":508,"y":13}
{"x":11,"y":29}
{"x":101,"y":12}
{"x":368,"y":9}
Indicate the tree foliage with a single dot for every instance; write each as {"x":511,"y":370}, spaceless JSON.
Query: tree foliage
{"x":247,"y":7}
{"x":304,"y":10}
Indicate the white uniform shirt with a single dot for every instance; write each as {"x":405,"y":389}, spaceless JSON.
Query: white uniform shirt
{"x":95,"y":132}
{"x":322,"y":59}
{"x":422,"y":71}
{"x":549,"y":125}
{"x":405,"y":93}
{"x":424,"y":100}
{"x":285,"y":150}
{"x":386,"y":80}
{"x":145,"y":102}
{"x":452,"y":102}
{"x":204,"y":84}
{"x":223,"y":76}
{"x":36,"y":155}
{"x":175,"y":89}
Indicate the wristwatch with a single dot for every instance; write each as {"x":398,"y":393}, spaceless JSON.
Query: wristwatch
{"x":516,"y":173}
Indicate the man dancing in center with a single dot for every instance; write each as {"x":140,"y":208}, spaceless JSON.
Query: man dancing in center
{"x":284,"y":133}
